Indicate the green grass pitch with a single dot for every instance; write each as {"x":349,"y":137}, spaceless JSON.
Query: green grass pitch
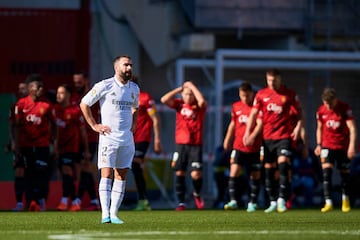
{"x":189,"y":224}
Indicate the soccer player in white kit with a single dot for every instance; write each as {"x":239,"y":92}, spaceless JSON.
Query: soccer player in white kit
{"x":118,"y":97}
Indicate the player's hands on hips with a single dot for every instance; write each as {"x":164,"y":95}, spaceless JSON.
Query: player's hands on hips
{"x":102,"y":129}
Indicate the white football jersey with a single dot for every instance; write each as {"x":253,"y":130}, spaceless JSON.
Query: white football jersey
{"x":116,"y":103}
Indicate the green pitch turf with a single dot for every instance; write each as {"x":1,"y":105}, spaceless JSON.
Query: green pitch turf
{"x":190,"y":224}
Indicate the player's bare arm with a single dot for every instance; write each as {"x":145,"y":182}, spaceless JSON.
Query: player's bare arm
{"x":318,"y":138}
{"x":256,"y":131}
{"x":249,"y":124}
{"x":100,"y":128}
{"x":156,"y":128}
{"x":296,"y":133}
{"x":229,"y":137}
{"x":352,"y":130}
{"x":135,"y":116}
{"x":168,"y":98}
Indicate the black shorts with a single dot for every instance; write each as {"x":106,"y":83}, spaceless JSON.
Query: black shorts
{"x":36,"y":157}
{"x":338,"y":157}
{"x":249,"y":161}
{"x":141,"y":149}
{"x":19,"y":161}
{"x":68,"y":159}
{"x":275,"y":148}
{"x":185,"y":155}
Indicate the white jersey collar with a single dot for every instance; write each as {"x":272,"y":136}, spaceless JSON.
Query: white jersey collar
{"x":127,"y":84}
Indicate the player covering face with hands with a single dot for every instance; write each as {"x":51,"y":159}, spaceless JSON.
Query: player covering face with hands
{"x":190,"y":113}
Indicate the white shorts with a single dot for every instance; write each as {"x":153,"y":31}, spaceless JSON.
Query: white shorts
{"x":115,"y":156}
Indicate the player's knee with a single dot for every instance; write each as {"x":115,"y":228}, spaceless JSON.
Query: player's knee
{"x":327,"y":165}
{"x":196,"y":175}
{"x":180,"y":173}
{"x":138,"y":160}
{"x":255,"y":175}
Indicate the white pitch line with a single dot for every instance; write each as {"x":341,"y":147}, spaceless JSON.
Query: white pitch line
{"x":103,"y":235}
{"x":82,"y":235}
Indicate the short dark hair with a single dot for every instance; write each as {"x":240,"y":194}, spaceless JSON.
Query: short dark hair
{"x":67,"y":87}
{"x":328,"y":95}
{"x":33,"y":78}
{"x":121,"y":56}
{"x":246,"y":87}
{"x":273,"y":72}
{"x":82,"y":73}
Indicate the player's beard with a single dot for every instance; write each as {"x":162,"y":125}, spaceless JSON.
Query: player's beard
{"x":126,"y":75}
{"x":39,"y":92}
{"x":80,"y":90}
